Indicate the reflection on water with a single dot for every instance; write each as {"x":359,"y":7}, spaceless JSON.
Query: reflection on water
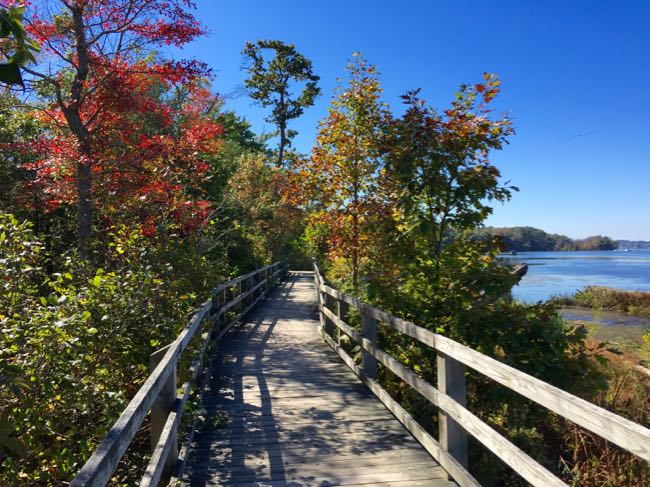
{"x":560,"y":273}
{"x":607,"y":318}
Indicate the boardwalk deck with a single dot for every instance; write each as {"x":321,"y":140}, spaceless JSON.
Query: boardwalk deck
{"x":285,"y":411}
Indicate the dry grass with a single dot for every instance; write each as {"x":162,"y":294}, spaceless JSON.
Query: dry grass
{"x":591,"y":460}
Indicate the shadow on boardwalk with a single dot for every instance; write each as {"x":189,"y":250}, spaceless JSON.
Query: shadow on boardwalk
{"x":283,"y":410}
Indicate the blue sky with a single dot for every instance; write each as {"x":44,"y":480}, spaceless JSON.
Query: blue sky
{"x":576,"y":81}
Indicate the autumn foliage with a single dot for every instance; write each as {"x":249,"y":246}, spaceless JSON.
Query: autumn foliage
{"x":130,"y":192}
{"x":115,"y":137}
{"x":148,"y":154}
{"x":342,"y":178}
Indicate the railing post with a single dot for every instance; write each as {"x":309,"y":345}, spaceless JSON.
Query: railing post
{"x":342,"y":313}
{"x":329,"y":326}
{"x":240,"y":289}
{"x":266,"y":279}
{"x":320,"y":296}
{"x":451,"y":381}
{"x":161,"y":409}
{"x":369,"y":332}
{"x":214,"y":308}
{"x":224,"y":298}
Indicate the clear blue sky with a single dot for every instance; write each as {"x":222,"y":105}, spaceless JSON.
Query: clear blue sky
{"x":576,"y":81}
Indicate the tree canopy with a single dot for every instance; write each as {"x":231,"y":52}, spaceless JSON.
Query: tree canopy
{"x":98,"y":75}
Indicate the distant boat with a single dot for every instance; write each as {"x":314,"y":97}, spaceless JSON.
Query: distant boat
{"x":513,"y":252}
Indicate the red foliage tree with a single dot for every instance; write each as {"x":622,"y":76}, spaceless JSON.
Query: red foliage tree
{"x":103,"y":86}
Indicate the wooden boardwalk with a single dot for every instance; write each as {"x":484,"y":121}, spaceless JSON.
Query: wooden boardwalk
{"x":284,"y":410}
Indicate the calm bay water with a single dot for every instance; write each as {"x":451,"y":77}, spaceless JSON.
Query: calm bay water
{"x":558,"y":273}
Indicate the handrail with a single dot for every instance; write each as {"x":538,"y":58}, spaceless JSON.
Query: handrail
{"x":455,"y":420}
{"x":159,"y":391}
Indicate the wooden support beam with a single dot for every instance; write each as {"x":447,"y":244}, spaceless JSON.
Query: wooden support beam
{"x":342,"y":312}
{"x":160,"y":411}
{"x":369,"y":332}
{"x":451,"y":381}
{"x":328,"y":325}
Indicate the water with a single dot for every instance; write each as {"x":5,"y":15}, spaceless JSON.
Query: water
{"x":608,"y":318}
{"x":560,"y":273}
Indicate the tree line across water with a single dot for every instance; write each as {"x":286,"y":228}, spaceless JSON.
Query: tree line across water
{"x":129,"y":190}
{"x":529,"y":239}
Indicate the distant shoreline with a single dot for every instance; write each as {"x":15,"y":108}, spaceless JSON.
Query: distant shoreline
{"x":531,"y":239}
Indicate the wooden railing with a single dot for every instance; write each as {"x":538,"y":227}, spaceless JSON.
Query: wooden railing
{"x":230,"y":301}
{"x":455,"y":420}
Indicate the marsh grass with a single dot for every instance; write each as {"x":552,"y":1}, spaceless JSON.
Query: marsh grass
{"x":590,"y":459}
{"x":636,"y":303}
{"x":629,"y":340}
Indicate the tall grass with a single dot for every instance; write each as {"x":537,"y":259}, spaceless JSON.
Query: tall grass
{"x":591,"y":460}
{"x":606,"y":298}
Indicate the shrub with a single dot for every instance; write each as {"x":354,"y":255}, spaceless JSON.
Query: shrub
{"x":75,"y":346}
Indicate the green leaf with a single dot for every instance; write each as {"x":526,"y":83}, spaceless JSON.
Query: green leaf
{"x":14,"y":445}
{"x":97,"y":281}
{"x":10,"y":74}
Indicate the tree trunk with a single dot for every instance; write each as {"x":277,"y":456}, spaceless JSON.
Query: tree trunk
{"x":77,"y":126}
{"x":355,"y":231}
{"x":283,"y":141}
{"x":84,"y":203}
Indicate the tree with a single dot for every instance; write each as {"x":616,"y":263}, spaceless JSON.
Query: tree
{"x":597,"y":242}
{"x":439,"y":167}
{"x":270,"y":84}
{"x":96,"y":50}
{"x":343,"y":173}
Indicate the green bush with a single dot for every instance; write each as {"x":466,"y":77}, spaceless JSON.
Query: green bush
{"x":75,"y":346}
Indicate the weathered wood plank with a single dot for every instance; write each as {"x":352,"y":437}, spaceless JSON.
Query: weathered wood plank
{"x":166,"y":442}
{"x":449,"y":463}
{"x":307,"y":436}
{"x":284,"y":398}
{"x":293,"y":458}
{"x":303,"y":453}
{"x":342,"y":309}
{"x":624,"y":433}
{"x":369,"y":332}
{"x":451,"y":381}
{"x":342,"y":473}
{"x":160,"y":411}
{"x":407,"y":473}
